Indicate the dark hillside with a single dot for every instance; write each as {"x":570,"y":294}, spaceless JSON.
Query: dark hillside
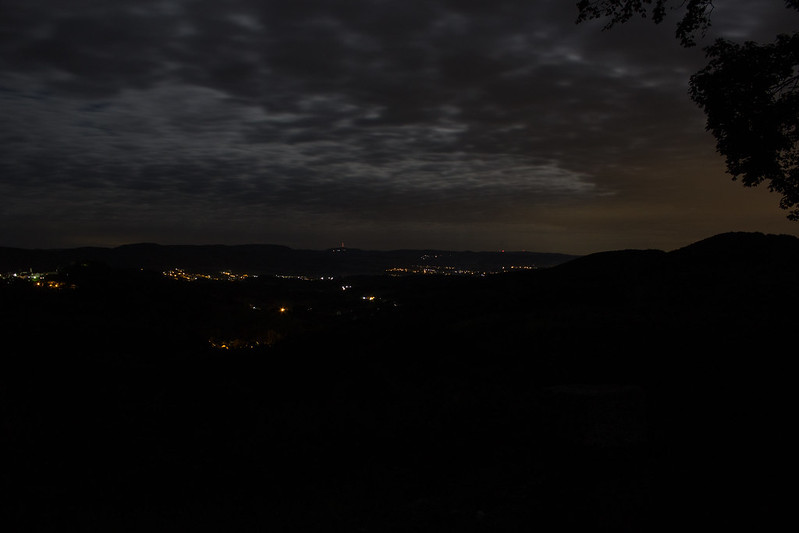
{"x":623,"y":391}
{"x":616,"y":263}
{"x":746,"y":247}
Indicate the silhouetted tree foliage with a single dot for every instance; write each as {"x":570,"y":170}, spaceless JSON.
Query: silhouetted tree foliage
{"x":696,"y":19}
{"x":748,"y":92}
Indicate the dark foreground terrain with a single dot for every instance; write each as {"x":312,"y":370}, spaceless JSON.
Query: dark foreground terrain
{"x":623,"y":391}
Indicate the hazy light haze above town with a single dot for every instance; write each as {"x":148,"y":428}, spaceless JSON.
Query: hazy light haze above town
{"x":383,"y":124}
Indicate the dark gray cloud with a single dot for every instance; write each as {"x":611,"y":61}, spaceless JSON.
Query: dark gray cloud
{"x":252,"y":120}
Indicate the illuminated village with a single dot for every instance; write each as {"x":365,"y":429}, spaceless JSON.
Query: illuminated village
{"x":292,"y":302}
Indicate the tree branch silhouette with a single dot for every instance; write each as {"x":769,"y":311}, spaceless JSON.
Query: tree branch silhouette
{"x":749,"y":92}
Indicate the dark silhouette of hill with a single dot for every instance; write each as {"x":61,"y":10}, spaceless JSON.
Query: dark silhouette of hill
{"x":751,"y":254}
{"x":635,"y":390}
{"x":624,"y":266}
{"x":727,"y":251}
{"x":743,"y":244}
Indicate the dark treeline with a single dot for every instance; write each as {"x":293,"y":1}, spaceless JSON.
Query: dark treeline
{"x":624,"y":391}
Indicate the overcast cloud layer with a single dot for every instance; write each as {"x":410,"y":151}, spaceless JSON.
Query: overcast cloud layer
{"x":451,"y":124}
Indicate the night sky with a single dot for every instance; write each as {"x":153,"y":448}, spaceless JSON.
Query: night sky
{"x":449,"y":124}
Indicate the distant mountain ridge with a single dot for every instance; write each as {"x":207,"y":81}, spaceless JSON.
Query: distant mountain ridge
{"x":725,"y":251}
{"x":268,"y":259}
{"x":748,"y":250}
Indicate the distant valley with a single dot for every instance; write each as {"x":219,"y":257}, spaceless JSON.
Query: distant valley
{"x":277,"y":260}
